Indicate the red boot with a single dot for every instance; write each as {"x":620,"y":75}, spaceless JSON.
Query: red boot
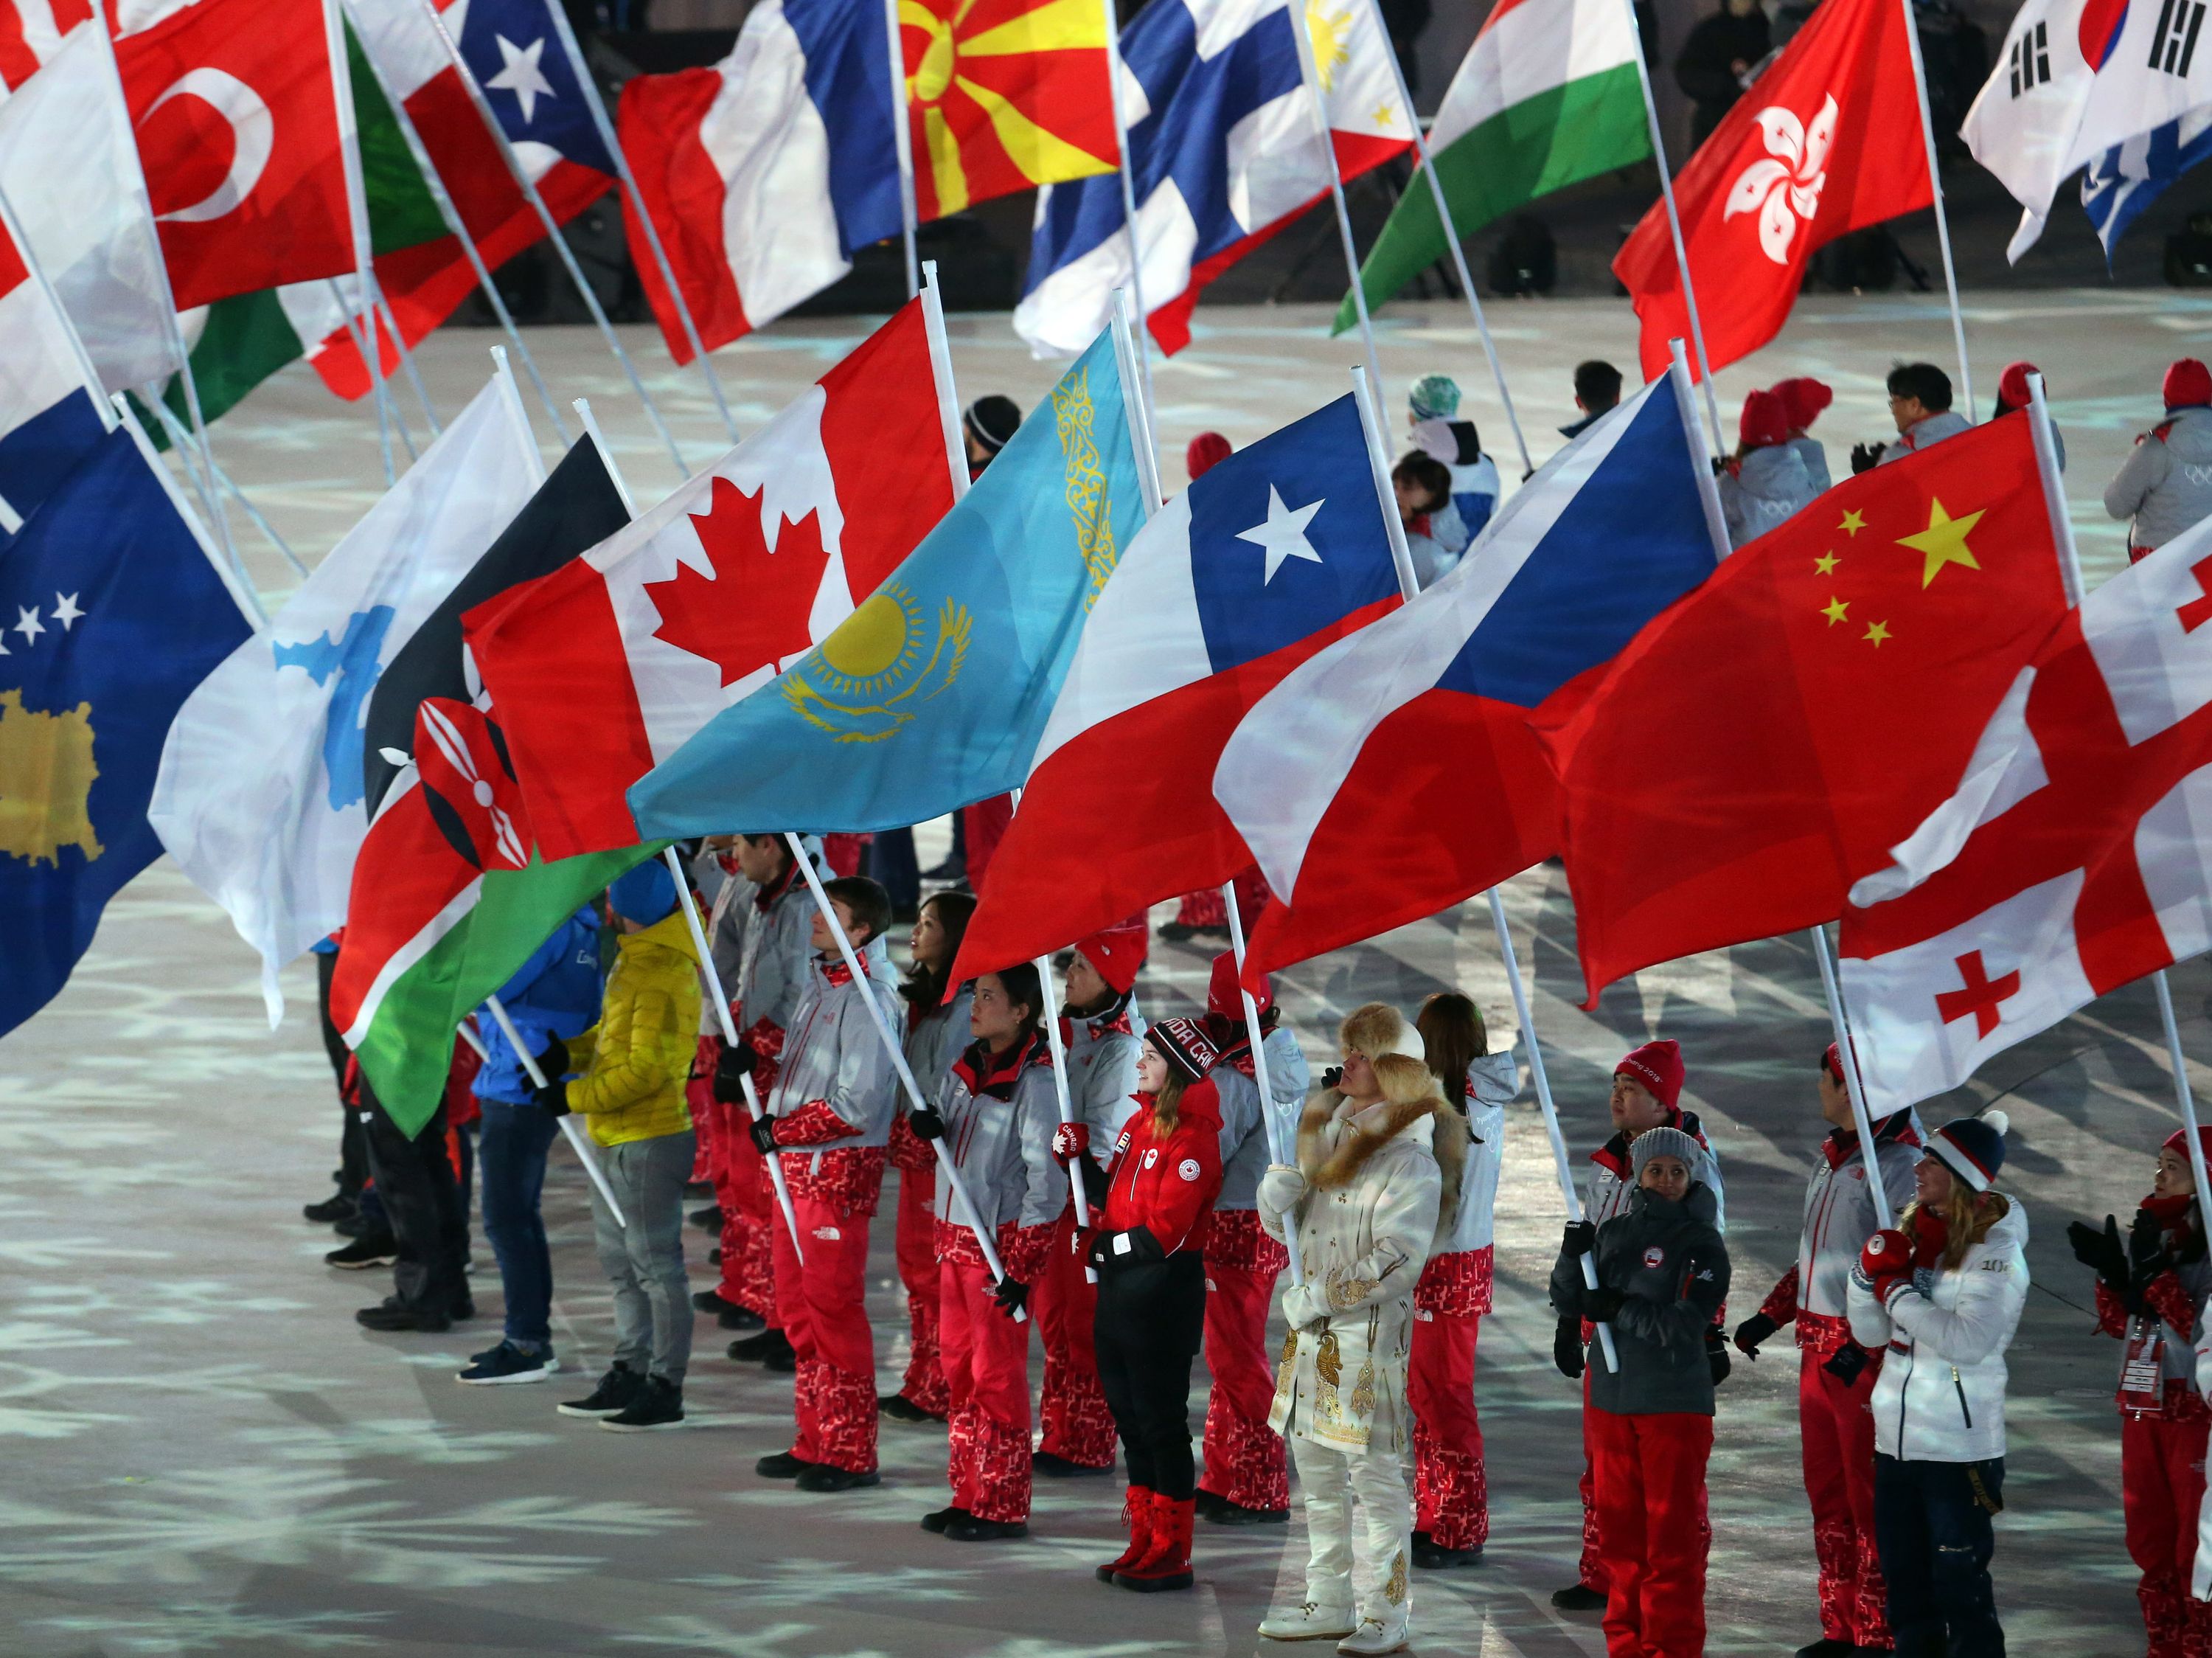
{"x":1136,"y":1514}
{"x":1166,"y":1564}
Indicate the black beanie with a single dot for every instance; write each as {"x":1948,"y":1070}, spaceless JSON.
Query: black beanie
{"x":992,"y":421}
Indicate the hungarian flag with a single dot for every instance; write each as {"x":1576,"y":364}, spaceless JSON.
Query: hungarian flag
{"x":1827,"y":141}
{"x":242,"y":124}
{"x":1764,"y":743}
{"x":1003,"y":95}
{"x":1547,"y":96}
{"x":607,"y":666}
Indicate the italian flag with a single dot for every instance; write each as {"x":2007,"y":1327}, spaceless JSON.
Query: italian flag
{"x":1546,"y":97}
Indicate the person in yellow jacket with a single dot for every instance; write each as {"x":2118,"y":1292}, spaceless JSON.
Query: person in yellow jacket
{"x":629,"y":1075}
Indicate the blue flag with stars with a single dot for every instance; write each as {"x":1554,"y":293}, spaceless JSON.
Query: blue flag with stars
{"x":515,"y":51}
{"x":113,"y":610}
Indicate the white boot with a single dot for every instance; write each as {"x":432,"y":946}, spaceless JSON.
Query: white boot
{"x":1375,"y":1635}
{"x":1309,"y":1622}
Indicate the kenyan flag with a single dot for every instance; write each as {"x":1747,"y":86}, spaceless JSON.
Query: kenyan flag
{"x":1546,"y":97}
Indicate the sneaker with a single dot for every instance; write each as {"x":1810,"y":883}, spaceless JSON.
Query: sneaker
{"x":899,"y":1408}
{"x":364,"y":1252}
{"x":392,"y":1315}
{"x":1432,"y":1556}
{"x":658,"y":1404}
{"x":708,"y":1219}
{"x":939,"y":1519}
{"x":823,"y":1477}
{"x":1309,"y":1622}
{"x":1375,"y":1637}
{"x":337,"y":1207}
{"x":617,"y":1389}
{"x":507,"y":1363}
{"x":970,"y":1529}
{"x":1056,"y":1467}
{"x":782,"y":1465}
{"x":1578,"y":1597}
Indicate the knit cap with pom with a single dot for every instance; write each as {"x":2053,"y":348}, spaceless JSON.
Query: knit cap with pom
{"x":1973,"y":1148}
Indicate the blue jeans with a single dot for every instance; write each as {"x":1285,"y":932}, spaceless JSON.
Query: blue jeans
{"x":511,"y":1171}
{"x":1931,"y":1527}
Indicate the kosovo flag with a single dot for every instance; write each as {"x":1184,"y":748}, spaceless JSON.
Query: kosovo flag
{"x":935,"y":691}
{"x":119,"y":611}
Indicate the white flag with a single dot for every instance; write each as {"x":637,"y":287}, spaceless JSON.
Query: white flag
{"x":2076,"y":78}
{"x":259,"y":797}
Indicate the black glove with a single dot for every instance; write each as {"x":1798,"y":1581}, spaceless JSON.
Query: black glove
{"x":1011,"y":1295}
{"x":763,"y":1129}
{"x":735,"y":1064}
{"x":1751,"y":1331}
{"x":2102,"y":1253}
{"x":1600,"y":1304}
{"x":1865,"y":457}
{"x":1567,"y":1348}
{"x":2147,"y":1255}
{"x":1716,"y":1358}
{"x":1581,"y":1238}
{"x":1847,"y":1363}
{"x":554,"y":1097}
{"x":1331,"y":1076}
{"x":926,"y":1124}
{"x":553,"y":1063}
{"x":1107,"y":1251}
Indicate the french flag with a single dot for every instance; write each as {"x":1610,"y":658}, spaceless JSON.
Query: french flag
{"x":1277,"y":551}
{"x":1398,"y":766}
{"x":49,"y":420}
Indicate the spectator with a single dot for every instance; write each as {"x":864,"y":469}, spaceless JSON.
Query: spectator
{"x":1716,"y":62}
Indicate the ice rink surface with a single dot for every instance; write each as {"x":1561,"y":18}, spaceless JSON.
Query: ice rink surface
{"x":205,"y":1454}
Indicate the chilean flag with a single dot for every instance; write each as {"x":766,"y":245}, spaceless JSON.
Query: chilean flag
{"x":1398,"y":765}
{"x":1277,"y":551}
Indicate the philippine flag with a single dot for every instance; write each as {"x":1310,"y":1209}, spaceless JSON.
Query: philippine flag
{"x":1277,"y":551}
{"x":1397,"y":766}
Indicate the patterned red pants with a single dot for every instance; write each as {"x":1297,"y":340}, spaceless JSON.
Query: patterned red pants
{"x":750,"y":1219}
{"x":1078,"y":1425}
{"x":1244,"y":1458}
{"x":822,"y":1307}
{"x":917,"y":1264}
{"x":987,"y":1370}
{"x":1836,"y":1432}
{"x":1451,"y":1493}
{"x":2161,"y":1485}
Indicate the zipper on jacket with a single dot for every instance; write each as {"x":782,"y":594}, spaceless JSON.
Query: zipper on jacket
{"x":1961,"y":1388}
{"x":1905,"y":1395}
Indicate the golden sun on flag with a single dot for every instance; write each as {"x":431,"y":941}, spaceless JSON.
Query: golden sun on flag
{"x":1331,"y":34}
{"x":1003,"y":94}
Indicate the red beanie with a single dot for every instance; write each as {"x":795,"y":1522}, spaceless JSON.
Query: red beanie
{"x":2176,"y":1142}
{"x":2012,"y":387}
{"x":1658,"y":1066}
{"x":1221,"y":995}
{"x":1206,"y":451}
{"x":2188,"y":383}
{"x":1802,"y":400}
{"x":1766,"y":421}
{"x":1117,"y":952}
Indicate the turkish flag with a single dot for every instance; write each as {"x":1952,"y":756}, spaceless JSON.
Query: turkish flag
{"x":235,"y":106}
{"x":1764,"y":743}
{"x":1827,"y":141}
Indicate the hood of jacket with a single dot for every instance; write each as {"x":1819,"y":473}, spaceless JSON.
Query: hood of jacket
{"x":1368,"y":1130}
{"x":1776,"y":472}
{"x":671,"y":932}
{"x":1494,"y":1079}
{"x":2189,"y":434}
{"x":1697,"y":1205}
{"x":875,"y":956}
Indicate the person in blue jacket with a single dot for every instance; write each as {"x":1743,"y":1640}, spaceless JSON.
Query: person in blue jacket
{"x":554,"y":995}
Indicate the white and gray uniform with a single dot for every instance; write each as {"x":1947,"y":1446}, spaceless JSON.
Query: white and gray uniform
{"x":1767,"y":487}
{"x":1244,"y":1150}
{"x":1004,"y":1147}
{"x":2164,"y":485}
{"x":833,"y":1053}
{"x":1101,"y":1074}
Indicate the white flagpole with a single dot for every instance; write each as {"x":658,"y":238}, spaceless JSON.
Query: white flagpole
{"x":607,"y":136}
{"x":1451,"y":237}
{"x":368,"y":358}
{"x":1143,"y":345}
{"x":1312,"y":77}
{"x":229,"y":573}
{"x":178,"y":437}
{"x":561,"y":248}
{"x":539,"y":1080}
{"x":902,"y":142}
{"x":364,"y":251}
{"x":406,"y":358}
{"x":2182,"y":1094}
{"x":940,"y":365}
{"x":1378,"y":459}
{"x":590,"y":422}
{"x":1129,"y":353}
{"x":1942,"y":219}
{"x":1279,"y":1149}
{"x":1675,"y":225}
{"x":86,"y":368}
{"x":1057,"y":1048}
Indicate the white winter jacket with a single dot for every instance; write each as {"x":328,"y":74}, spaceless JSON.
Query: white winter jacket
{"x":2164,"y":485}
{"x":1940,"y":1394}
{"x":1768,"y":487}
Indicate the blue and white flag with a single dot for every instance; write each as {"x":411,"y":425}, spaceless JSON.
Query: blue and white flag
{"x":261,"y":793}
{"x":2129,"y":177}
{"x":118,"y":609}
{"x":514,"y":50}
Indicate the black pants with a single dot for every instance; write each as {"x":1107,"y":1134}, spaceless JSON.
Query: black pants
{"x":1931,"y":1527}
{"x":353,"y":1145}
{"x":891,"y":865}
{"x":1150,"y":1320}
{"x":423,"y":1203}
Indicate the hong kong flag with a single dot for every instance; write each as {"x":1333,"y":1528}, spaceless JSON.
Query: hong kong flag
{"x":1826,"y":142}
{"x":242,"y":127}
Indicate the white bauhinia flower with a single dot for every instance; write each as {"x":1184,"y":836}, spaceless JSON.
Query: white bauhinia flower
{"x":1783,"y":187}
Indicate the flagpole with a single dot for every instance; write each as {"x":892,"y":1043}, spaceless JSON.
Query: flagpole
{"x":406,"y":357}
{"x":607,"y":136}
{"x":178,"y":437}
{"x":902,"y":142}
{"x":1708,"y":486}
{"x":1675,"y":224}
{"x":539,"y":1080}
{"x":2181,"y":1090}
{"x":561,"y":248}
{"x":362,"y":345}
{"x":1127,"y":335}
{"x":1942,"y":219}
{"x":1123,"y":168}
{"x":940,"y":369}
{"x":1378,"y":460}
{"x":364,"y":250}
{"x":1451,"y":237}
{"x":233,"y":578}
{"x":437,"y":185}
{"x":1278,"y":1150}
{"x":1312,"y":78}
{"x":511,"y":394}
{"x":86,"y":369}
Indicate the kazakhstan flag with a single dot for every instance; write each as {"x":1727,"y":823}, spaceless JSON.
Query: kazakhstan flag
{"x":934,"y":693}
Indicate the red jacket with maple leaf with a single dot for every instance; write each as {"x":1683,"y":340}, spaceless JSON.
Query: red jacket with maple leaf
{"x":1167,"y":1184}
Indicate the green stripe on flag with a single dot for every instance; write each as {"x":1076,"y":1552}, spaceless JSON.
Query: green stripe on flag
{"x":402,"y":211}
{"x":1542,"y":144}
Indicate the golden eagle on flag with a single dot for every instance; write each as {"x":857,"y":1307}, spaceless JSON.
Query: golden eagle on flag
{"x":1004,"y":94}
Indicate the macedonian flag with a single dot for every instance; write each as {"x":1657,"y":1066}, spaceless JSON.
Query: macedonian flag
{"x":1003,"y":94}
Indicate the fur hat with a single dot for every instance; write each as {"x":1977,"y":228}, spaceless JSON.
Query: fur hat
{"x":1117,"y":952}
{"x":1184,"y":1044}
{"x":1803,"y":400}
{"x":2188,"y":383}
{"x":1221,"y":996}
{"x":1658,"y":1066}
{"x":1973,"y":1148}
{"x":1766,"y":421}
{"x":1666,"y":1143}
{"x":1378,"y":1029}
{"x":1206,"y":451}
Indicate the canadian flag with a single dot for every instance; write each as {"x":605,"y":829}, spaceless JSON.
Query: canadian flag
{"x":242,"y":126}
{"x":1827,"y":141}
{"x":2076,"y":854}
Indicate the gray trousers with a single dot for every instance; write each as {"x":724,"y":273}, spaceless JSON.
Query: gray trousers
{"x":644,"y":1260}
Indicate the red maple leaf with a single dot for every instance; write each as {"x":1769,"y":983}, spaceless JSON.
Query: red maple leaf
{"x":751,"y":613}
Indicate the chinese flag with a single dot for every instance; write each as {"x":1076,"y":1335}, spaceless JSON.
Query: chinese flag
{"x":1764,"y":743}
{"x":1826,"y":142}
{"x":236,"y":111}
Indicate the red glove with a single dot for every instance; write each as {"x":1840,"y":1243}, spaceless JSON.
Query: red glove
{"x":1886,"y":1258}
{"x":1069,"y":1142}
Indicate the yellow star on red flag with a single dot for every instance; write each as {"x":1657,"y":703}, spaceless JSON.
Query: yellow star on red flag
{"x":1944,"y":541}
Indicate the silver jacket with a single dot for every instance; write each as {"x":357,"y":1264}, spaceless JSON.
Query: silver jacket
{"x":933,"y":1041}
{"x":1101,"y":1075}
{"x":1767,"y":487}
{"x":2166,"y":484}
{"x":1839,"y":1218}
{"x":1002,"y":1148}
{"x":833,"y":1052}
{"x":1245,"y":1153}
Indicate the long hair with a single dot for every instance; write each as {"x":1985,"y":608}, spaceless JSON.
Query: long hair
{"x":1967,"y":1216}
{"x":1023,"y":985}
{"x":1167,"y":1104}
{"x":1451,"y":1028}
{"x":924,"y":987}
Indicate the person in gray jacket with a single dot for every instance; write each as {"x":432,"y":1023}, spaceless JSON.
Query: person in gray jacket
{"x":1765,"y":483}
{"x":1920,"y":406}
{"x":1662,"y":1272}
{"x":2166,"y":484}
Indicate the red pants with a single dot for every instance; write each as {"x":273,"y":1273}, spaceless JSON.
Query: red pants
{"x":917,"y":1265}
{"x":1649,"y":1480}
{"x":1451,"y":1494}
{"x":1592,"y":1570}
{"x":1078,"y":1424}
{"x":1244,"y":1458}
{"x":986,"y":1372}
{"x":751,"y":1220}
{"x":986,"y":824}
{"x":822,"y":1307}
{"x":1836,"y":1433}
{"x":2161,"y":1483}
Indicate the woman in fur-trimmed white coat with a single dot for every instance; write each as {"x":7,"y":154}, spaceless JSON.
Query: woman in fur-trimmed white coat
{"x":1367,"y":1199}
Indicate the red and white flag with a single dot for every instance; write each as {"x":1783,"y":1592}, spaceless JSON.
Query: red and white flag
{"x":602,"y":669}
{"x":242,"y":131}
{"x":1827,"y":141}
{"x":2073,"y":858}
{"x":30,"y":30}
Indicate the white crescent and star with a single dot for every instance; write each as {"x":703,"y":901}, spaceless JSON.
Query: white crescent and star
{"x":253,"y":139}
{"x":1283,"y":533}
{"x":521,"y":75}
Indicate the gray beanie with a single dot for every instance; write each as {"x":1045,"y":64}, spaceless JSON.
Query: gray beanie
{"x":1666,"y":1143}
